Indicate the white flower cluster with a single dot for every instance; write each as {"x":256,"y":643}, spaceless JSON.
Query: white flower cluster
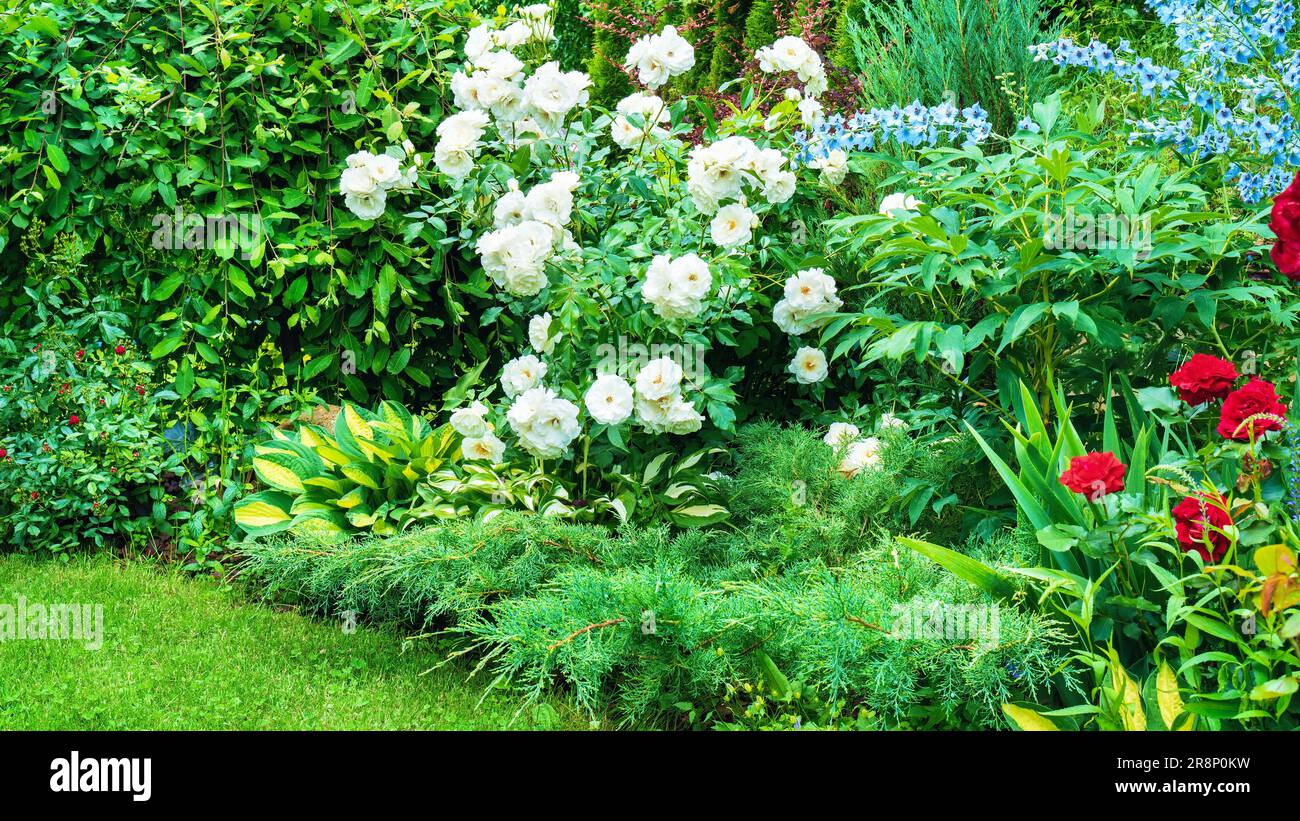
{"x":368,"y":178}
{"x":458,"y":143}
{"x":480,"y":442}
{"x":807,"y":294}
{"x":677,"y":287}
{"x":898,"y":202}
{"x":534,"y":23}
{"x":653,"y":113}
{"x":658,"y":57}
{"x":656,"y":401}
{"x":495,"y":82}
{"x":530,"y":228}
{"x":858,"y":453}
{"x":733,"y":167}
{"x":544,"y":422}
{"x":794,"y":55}
{"x":660,"y":407}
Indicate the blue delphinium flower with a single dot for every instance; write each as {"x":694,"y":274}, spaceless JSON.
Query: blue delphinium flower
{"x":1233,"y":52}
{"x":915,"y":125}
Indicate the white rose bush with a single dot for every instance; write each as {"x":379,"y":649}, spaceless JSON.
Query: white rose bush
{"x":649,"y":263}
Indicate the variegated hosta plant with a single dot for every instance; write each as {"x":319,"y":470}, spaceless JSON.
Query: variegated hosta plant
{"x":377,"y":472}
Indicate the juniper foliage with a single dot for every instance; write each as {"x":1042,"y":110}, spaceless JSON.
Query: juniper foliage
{"x":646,"y":618}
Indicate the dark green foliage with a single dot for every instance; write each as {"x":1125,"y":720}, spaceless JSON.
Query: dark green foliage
{"x":572,"y":35}
{"x":608,"y":48}
{"x":649,"y":618}
{"x":926,"y":49}
{"x":117,"y":114}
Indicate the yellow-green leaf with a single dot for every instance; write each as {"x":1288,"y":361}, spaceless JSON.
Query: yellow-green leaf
{"x":1027,"y":719}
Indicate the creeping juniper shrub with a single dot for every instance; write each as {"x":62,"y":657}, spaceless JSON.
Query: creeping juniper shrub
{"x":650,"y":618}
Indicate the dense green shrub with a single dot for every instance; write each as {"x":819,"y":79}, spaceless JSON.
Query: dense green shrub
{"x":810,"y":581}
{"x":119,"y":117}
{"x":81,"y":447}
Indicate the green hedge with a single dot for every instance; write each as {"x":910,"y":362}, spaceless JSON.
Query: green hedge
{"x":115,"y":115}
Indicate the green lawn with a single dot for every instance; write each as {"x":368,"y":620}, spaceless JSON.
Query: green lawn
{"x":183,"y":653}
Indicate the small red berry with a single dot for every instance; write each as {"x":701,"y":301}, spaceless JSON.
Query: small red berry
{"x":81,"y":352}
{"x":119,"y":350}
{"x":112,"y":470}
{"x":139,"y":389}
{"x":74,"y":420}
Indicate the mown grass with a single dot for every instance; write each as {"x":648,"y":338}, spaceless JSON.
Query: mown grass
{"x":185,"y":654}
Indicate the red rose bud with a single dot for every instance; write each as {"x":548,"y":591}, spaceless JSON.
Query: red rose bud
{"x":1203,"y":378}
{"x":74,"y":420}
{"x":1255,"y":397}
{"x":1201,"y":517}
{"x":119,"y":350}
{"x":35,"y":495}
{"x":1094,"y":475}
{"x":3,"y":453}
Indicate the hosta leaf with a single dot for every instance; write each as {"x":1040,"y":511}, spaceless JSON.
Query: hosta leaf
{"x":263,"y":513}
{"x":1028,"y":720}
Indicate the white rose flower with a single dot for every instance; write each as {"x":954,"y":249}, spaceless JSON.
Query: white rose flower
{"x":552,"y":202}
{"x":539,"y":334}
{"x":515,"y":256}
{"x":385,"y":170}
{"x":461,"y":132}
{"x":478,"y":41}
{"x":812,"y":290}
{"x":675,"y":53}
{"x":544,"y":423}
{"x":555,"y":93}
{"x":367,"y":206}
{"x":357,"y":181}
{"x":677,"y":287}
{"x":810,"y":111}
{"x":499,"y":65}
{"x":513,"y":35}
{"x":860,"y":454}
{"x":808,"y":366}
{"x":485,"y":448}
{"x":360,"y":159}
{"x":609,"y":399}
{"x":471,"y":422}
{"x":652,"y":112}
{"x":659,"y":379}
{"x":733,"y":225}
{"x":889,"y":421}
{"x":780,"y":187}
{"x":522,"y":374}
{"x":834,"y":167}
{"x":719,"y":171}
{"x":840,"y":434}
{"x":509,"y":208}
{"x":682,"y":418}
{"x":898,"y":202}
{"x":455,"y":164}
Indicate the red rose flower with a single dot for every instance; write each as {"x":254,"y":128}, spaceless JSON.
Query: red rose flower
{"x":1094,"y":475}
{"x":1256,"y":396}
{"x":119,"y":350}
{"x":1286,"y":256}
{"x":74,"y":420}
{"x":1195,"y":520}
{"x":1286,"y":213}
{"x":1202,"y":378}
{"x":3,"y":453}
